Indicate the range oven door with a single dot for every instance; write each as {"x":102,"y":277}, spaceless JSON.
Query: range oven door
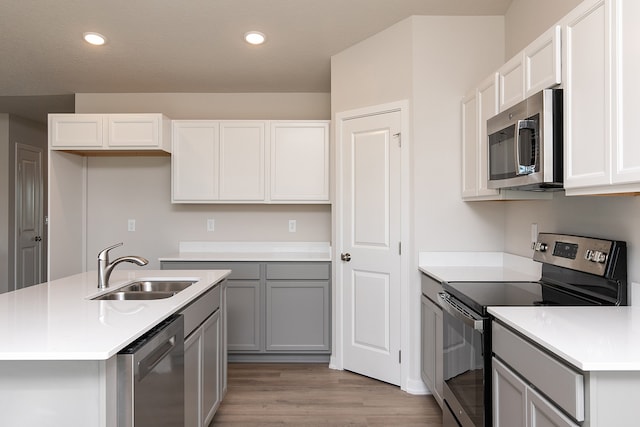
{"x":466,"y":361}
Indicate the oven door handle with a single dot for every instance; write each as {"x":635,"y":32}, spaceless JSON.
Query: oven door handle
{"x":457,"y":311}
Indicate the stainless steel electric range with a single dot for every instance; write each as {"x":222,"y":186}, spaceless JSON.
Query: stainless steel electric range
{"x":576,"y":271}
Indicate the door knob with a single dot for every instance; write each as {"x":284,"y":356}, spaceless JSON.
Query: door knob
{"x":345,"y":257}
{"x":37,"y":239}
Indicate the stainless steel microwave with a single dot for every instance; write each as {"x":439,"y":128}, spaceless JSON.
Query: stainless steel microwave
{"x":525,"y":144}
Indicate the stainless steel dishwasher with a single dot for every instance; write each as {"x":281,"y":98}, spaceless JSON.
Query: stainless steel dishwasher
{"x":151,"y":377}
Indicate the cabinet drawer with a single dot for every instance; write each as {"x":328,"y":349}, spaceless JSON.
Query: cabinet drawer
{"x":239,"y":270}
{"x":298,"y":271}
{"x":558,"y":381}
{"x":198,"y":311}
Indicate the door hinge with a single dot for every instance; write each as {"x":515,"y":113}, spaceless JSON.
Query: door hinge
{"x":400,"y":356}
{"x":399,"y":248}
{"x":399,"y":136}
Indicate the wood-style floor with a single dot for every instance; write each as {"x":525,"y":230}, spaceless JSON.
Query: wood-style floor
{"x":314,"y":395}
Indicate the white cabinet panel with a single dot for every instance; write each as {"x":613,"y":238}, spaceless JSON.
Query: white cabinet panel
{"x":242,"y":161}
{"x":194,"y":163}
{"x":470,"y":147}
{"x":133,"y":130}
{"x":542,"y":60}
{"x":89,"y":133}
{"x":587,"y":102}
{"x":511,"y":81}
{"x":69,"y":131}
{"x":300,"y":161}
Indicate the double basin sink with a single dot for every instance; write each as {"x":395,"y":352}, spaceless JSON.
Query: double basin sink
{"x":147,"y":290}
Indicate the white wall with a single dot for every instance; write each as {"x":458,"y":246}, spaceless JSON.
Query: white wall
{"x":122,"y":188}
{"x":431,"y":61}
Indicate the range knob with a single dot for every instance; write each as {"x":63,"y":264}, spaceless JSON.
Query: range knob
{"x":599,"y":257}
{"x":540,"y":247}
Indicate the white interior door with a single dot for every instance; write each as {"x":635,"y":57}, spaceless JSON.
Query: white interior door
{"x":29,"y":221}
{"x":371,"y":263}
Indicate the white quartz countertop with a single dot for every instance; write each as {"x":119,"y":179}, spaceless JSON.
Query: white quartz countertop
{"x":478,"y":267}
{"x":58,"y":320}
{"x":589,"y":338}
{"x":251,"y":251}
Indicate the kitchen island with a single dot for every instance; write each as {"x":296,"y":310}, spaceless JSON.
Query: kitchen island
{"x":58,"y":345}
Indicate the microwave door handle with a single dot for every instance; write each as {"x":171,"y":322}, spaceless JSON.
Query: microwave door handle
{"x":520,"y":168}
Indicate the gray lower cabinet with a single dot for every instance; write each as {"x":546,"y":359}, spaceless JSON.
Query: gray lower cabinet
{"x":431,"y":365}
{"x":276,"y":311}
{"x":520,"y":373}
{"x":205,"y":367}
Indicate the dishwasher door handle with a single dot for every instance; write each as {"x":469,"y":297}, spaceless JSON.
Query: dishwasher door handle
{"x":156,"y":356}
{"x":460,"y":312}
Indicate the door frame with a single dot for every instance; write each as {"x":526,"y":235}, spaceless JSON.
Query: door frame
{"x":337,"y":356}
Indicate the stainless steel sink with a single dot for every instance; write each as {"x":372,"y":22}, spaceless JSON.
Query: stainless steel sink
{"x":147,"y":290}
{"x":135,"y":295}
{"x":157,"y":286}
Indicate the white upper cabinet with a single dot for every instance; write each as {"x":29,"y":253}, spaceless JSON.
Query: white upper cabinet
{"x":242,"y":161}
{"x":511,"y":78}
{"x":229,"y":162}
{"x":601,"y":151}
{"x":543,"y":62}
{"x":109,"y":132}
{"x":300,"y":161}
{"x":536,"y":68}
{"x":194,"y":162}
{"x":602,"y":64}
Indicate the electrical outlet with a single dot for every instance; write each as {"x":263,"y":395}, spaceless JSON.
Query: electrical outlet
{"x":211,"y":224}
{"x":292,"y":226}
{"x":131,"y":225}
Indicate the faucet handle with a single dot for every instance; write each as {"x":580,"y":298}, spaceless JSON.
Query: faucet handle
{"x":103,"y":254}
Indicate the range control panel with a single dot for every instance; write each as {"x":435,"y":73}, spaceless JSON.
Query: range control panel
{"x":586,"y":254}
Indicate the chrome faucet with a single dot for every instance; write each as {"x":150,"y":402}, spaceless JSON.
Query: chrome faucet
{"x":105,"y":267}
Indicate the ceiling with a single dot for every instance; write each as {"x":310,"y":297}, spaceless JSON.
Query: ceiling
{"x":194,"y":45}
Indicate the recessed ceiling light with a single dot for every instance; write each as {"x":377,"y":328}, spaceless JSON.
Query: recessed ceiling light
{"x":254,"y":37}
{"x":94,"y":39}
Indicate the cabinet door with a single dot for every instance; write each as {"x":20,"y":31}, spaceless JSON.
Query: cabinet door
{"x":488,"y":98}
{"x":587,"y":95}
{"x":297,"y":315}
{"x":627,"y":149}
{"x":244,"y":315}
{"x":210,"y":367}
{"x":74,"y":131}
{"x":242,"y":161}
{"x":541,"y":413}
{"x":299,"y":161}
{"x":194,"y":163}
{"x":511,"y":81}
{"x":542,"y":61}
{"x":432,"y":349}
{"x":193,"y":379}
{"x":470,"y":131}
{"x":131,"y":131}
{"x":509,"y":397}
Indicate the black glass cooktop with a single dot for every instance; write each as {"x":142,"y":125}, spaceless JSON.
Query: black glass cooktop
{"x":480,"y":295}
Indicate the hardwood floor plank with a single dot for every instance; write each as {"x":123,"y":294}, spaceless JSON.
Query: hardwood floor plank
{"x":314,"y":395}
